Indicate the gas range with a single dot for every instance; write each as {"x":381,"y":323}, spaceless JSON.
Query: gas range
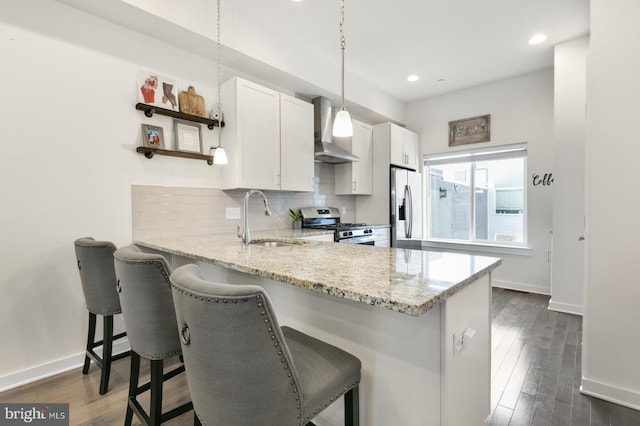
{"x":329,"y":218}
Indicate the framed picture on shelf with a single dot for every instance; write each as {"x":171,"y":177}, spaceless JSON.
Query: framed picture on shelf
{"x":188,"y":136}
{"x":152,"y":136}
{"x":157,"y":90}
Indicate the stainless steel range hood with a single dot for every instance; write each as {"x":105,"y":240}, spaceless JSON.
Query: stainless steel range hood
{"x":325,"y":150}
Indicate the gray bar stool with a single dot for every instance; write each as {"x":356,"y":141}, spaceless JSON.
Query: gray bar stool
{"x":149,"y":315}
{"x":244,"y":369}
{"x":98,"y":278}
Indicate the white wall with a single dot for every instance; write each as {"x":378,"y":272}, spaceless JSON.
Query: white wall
{"x":69,"y":136}
{"x":521,"y":111}
{"x":570,"y":121}
{"x":611,"y":344}
{"x":69,"y":131}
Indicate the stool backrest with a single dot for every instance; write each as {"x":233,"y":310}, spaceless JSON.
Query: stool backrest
{"x":238,"y":365}
{"x":98,"y":278}
{"x":147,"y":305}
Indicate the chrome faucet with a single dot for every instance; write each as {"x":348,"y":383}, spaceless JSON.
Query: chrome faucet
{"x":245,"y":234}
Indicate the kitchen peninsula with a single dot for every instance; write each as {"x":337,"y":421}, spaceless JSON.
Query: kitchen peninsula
{"x":420,"y":321}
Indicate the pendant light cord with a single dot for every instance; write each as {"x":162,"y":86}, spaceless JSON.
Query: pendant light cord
{"x":219,"y":154}
{"x":219,"y":79}
{"x":343,"y":44}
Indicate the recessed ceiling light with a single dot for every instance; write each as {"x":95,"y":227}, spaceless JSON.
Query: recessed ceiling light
{"x":537,"y":39}
{"x":413,"y":78}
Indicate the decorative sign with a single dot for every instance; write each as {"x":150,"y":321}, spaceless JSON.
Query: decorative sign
{"x":545,"y":180}
{"x":470,"y":130}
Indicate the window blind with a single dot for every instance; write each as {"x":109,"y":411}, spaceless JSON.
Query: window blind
{"x":496,"y":153}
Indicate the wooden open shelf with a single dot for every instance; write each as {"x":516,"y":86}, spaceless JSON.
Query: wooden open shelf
{"x":149,"y":110}
{"x":150,"y":152}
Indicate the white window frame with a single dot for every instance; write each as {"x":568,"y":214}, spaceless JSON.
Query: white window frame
{"x":473,"y":156}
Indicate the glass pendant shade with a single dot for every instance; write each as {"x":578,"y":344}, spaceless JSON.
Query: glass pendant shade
{"x":342,"y":126}
{"x":220,"y":156}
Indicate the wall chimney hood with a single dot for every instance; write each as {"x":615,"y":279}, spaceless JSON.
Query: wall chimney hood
{"x":325,"y":150}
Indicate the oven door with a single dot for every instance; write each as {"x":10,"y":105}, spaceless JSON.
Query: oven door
{"x":369,"y":240}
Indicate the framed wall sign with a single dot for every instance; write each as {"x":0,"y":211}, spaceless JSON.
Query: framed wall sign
{"x":188,"y":136}
{"x":470,"y":130}
{"x":152,"y":136}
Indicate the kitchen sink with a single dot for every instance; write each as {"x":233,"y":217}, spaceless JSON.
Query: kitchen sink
{"x":270,"y":243}
{"x":276,"y":243}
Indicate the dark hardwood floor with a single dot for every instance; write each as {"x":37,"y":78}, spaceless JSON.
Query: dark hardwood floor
{"x":536,"y":365}
{"x":535,"y":376}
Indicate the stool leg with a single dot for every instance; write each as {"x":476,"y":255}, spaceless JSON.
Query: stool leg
{"x":91,"y":337}
{"x":155,"y":413}
{"x":352,"y":407}
{"x":196,"y":420}
{"x":106,"y":353}
{"x":134,"y":376}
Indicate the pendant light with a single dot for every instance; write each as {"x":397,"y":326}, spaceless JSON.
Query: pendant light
{"x":219,"y":155}
{"x":342,"y":126}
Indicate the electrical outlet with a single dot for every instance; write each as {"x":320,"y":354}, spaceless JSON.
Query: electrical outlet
{"x":458,"y":341}
{"x":232,"y":213}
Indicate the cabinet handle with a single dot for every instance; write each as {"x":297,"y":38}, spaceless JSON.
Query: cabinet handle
{"x":354,"y":185}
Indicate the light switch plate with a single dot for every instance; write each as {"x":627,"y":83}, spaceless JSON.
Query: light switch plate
{"x":232,"y":213}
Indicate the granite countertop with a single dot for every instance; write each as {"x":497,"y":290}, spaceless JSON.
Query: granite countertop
{"x":401,"y":280}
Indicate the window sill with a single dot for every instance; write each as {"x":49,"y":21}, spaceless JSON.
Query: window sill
{"x":482,"y":248}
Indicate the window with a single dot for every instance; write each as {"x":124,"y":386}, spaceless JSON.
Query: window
{"x":477,"y":196}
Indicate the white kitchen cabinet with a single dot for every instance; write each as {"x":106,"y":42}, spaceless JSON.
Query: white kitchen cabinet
{"x":357,"y":177}
{"x":322,"y":237}
{"x":392,"y":146}
{"x":403,"y":145}
{"x":383,"y":237}
{"x":251,"y":135}
{"x":268,"y":137}
{"x":296,"y":144}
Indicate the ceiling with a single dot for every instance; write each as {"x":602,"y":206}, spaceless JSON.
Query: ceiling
{"x":449,"y":44}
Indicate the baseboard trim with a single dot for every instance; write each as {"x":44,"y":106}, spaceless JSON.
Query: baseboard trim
{"x":528,"y":288}
{"x":567,"y":308}
{"x":610,"y":393}
{"x":42,"y":371}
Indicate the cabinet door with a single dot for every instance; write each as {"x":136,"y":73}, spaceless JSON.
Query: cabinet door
{"x":410,"y":144}
{"x":259,"y":131}
{"x":396,"y":148}
{"x":362,"y":146}
{"x":403,"y":147}
{"x":296,"y":144}
{"x":383,"y":237}
{"x":357,"y":177}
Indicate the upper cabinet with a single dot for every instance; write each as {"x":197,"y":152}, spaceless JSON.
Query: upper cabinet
{"x":403,"y":145}
{"x":392,"y":145}
{"x":357,"y":177}
{"x":296,"y":144}
{"x":268,"y":137}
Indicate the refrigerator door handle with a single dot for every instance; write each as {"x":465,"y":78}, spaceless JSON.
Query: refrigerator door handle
{"x":408,"y":224}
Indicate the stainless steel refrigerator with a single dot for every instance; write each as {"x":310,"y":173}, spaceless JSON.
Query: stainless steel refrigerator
{"x":406,"y":208}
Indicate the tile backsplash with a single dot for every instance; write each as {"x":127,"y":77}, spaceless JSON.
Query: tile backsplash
{"x":161,"y":211}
